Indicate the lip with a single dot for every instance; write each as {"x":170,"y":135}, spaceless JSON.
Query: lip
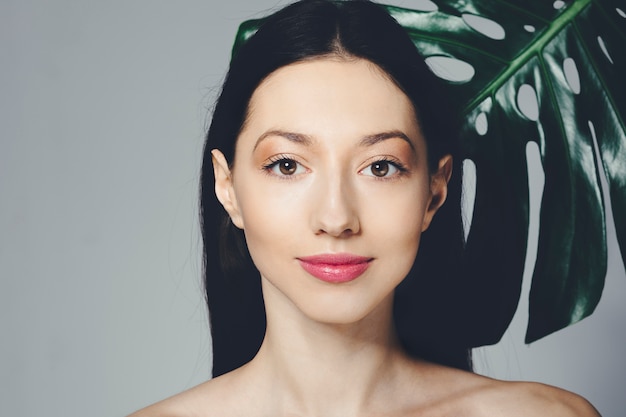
{"x":335,"y":267}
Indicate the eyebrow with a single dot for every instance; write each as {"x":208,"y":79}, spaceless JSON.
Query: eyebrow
{"x":379,"y":137}
{"x":291,"y":136}
{"x":368,"y":140}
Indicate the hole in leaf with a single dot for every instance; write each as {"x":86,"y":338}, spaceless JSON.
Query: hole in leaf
{"x":527,"y":102}
{"x":487,"y":27}
{"x":558,"y":4}
{"x":424,"y":6}
{"x":450,"y":69}
{"x":468,"y":195}
{"x":620,"y":12}
{"x":529,"y":28}
{"x":481,"y":124}
{"x":410,"y":19}
{"x":571,"y":75}
{"x":536,"y":187}
{"x":603,"y":47}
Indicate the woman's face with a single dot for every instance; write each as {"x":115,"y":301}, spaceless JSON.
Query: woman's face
{"x":331,"y":187}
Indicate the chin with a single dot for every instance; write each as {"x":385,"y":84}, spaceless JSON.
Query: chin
{"x":347,"y":312}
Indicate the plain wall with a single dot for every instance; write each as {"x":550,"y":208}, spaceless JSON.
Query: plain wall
{"x":103,"y":108}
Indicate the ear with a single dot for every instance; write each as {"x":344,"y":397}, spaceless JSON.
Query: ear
{"x":438,"y":189}
{"x":224,"y":187}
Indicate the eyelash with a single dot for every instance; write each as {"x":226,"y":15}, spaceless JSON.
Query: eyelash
{"x":277,"y":159}
{"x":402,"y":169}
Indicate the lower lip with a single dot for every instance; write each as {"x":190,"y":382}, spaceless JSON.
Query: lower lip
{"x":335,"y":273}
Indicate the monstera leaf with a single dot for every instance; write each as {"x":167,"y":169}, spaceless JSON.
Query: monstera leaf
{"x":551,"y":73}
{"x":545,"y":72}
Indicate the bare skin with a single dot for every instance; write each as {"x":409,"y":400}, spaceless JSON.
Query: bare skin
{"x":430,"y":390}
{"x":307,"y":180}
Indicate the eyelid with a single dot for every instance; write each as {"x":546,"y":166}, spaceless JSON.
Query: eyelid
{"x":272,"y":162}
{"x":400,"y":167}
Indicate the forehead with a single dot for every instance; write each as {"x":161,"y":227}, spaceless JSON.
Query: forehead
{"x":331,"y":96}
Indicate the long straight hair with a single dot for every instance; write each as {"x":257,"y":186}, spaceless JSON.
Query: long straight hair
{"x":428,"y":305}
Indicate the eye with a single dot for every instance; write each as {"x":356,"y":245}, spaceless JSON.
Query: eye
{"x":285,"y":167}
{"x":382,"y":169}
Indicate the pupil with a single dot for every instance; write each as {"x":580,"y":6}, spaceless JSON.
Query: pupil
{"x":380,"y":169}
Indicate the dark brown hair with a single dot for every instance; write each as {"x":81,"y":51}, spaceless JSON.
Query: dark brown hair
{"x":426,"y":309}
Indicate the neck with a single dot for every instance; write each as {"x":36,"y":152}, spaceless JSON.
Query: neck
{"x":316,"y":368}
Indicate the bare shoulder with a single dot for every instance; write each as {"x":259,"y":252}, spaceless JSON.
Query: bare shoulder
{"x":522,"y":399}
{"x":456,"y":392}
{"x":185,"y":404}
{"x":208,"y":399}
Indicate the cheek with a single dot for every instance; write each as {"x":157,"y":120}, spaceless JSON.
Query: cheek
{"x":273,"y":220}
{"x":400,"y":210}
{"x":395,"y":222}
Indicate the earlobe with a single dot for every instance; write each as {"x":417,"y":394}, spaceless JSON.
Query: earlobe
{"x":438,"y":189}
{"x":224,"y":187}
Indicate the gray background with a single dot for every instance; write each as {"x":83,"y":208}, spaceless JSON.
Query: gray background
{"x":103,"y":107}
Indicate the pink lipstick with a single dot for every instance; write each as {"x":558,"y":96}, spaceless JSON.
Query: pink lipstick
{"x":336,"y":267}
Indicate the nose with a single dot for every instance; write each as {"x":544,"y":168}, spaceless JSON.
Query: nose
{"x":335,"y":211}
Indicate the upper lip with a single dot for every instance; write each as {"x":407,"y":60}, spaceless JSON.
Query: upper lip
{"x":335,"y":259}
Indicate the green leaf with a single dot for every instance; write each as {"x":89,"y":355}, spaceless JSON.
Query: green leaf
{"x":567,"y":58}
{"x":571,"y":58}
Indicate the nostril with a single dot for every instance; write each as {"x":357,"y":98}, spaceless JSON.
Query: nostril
{"x":338,"y":223}
{"x":338,"y":229}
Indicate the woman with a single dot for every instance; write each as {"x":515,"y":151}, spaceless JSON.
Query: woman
{"x":331,"y":154}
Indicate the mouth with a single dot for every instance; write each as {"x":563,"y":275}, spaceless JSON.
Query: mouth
{"x":335,"y":268}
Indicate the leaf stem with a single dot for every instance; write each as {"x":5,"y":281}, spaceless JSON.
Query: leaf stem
{"x":533,"y":49}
